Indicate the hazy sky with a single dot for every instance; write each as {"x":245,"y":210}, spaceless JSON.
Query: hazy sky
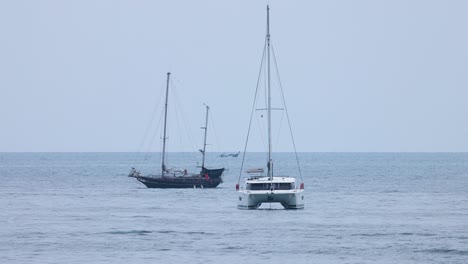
{"x":357,"y":75}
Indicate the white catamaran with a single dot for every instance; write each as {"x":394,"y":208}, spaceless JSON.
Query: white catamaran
{"x":260,"y":188}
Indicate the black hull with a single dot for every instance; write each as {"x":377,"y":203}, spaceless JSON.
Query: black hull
{"x":179,"y":182}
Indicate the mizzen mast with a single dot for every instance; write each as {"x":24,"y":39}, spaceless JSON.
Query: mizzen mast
{"x":204,"y":141}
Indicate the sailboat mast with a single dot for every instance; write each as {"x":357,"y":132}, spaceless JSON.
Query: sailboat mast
{"x":270,"y":162}
{"x":204,"y":141}
{"x":163,"y":166}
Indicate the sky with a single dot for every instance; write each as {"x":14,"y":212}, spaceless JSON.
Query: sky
{"x":358,"y":76}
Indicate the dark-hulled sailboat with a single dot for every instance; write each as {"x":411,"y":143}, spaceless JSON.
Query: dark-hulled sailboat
{"x":207,"y":178}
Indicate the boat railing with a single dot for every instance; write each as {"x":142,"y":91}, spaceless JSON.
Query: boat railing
{"x":255,"y":173}
{"x":173,"y":172}
{"x":134,"y":173}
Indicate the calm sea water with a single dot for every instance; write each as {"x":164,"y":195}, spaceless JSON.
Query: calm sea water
{"x":360,"y":208}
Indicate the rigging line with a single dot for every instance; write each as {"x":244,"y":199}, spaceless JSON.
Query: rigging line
{"x":287,"y":113}
{"x":279,"y":130}
{"x":150,"y":123}
{"x":262,"y":86}
{"x":185,"y":134}
{"x":215,"y":133}
{"x":177,"y":120}
{"x":262,"y":136}
{"x":217,"y":146}
{"x":150,"y":145}
{"x":265,"y":89}
{"x":212,"y":126}
{"x":148,"y":138}
{"x":253,"y":109}
{"x":180,"y":111}
{"x":262,"y":105}
{"x":186,"y":125}
{"x":277,"y":85}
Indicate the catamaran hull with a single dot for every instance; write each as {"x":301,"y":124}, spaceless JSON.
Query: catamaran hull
{"x":179,"y":182}
{"x":254,"y":199}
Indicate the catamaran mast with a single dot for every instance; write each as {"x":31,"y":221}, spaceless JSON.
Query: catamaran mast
{"x":163,"y":167}
{"x":204,"y":141}
{"x":270,"y":161}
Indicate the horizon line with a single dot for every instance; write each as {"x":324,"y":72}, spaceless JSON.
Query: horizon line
{"x":7,"y":152}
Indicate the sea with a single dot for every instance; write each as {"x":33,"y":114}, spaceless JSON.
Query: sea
{"x":359,"y":208}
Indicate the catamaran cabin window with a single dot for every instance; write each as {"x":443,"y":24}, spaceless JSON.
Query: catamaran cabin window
{"x":269,"y":186}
